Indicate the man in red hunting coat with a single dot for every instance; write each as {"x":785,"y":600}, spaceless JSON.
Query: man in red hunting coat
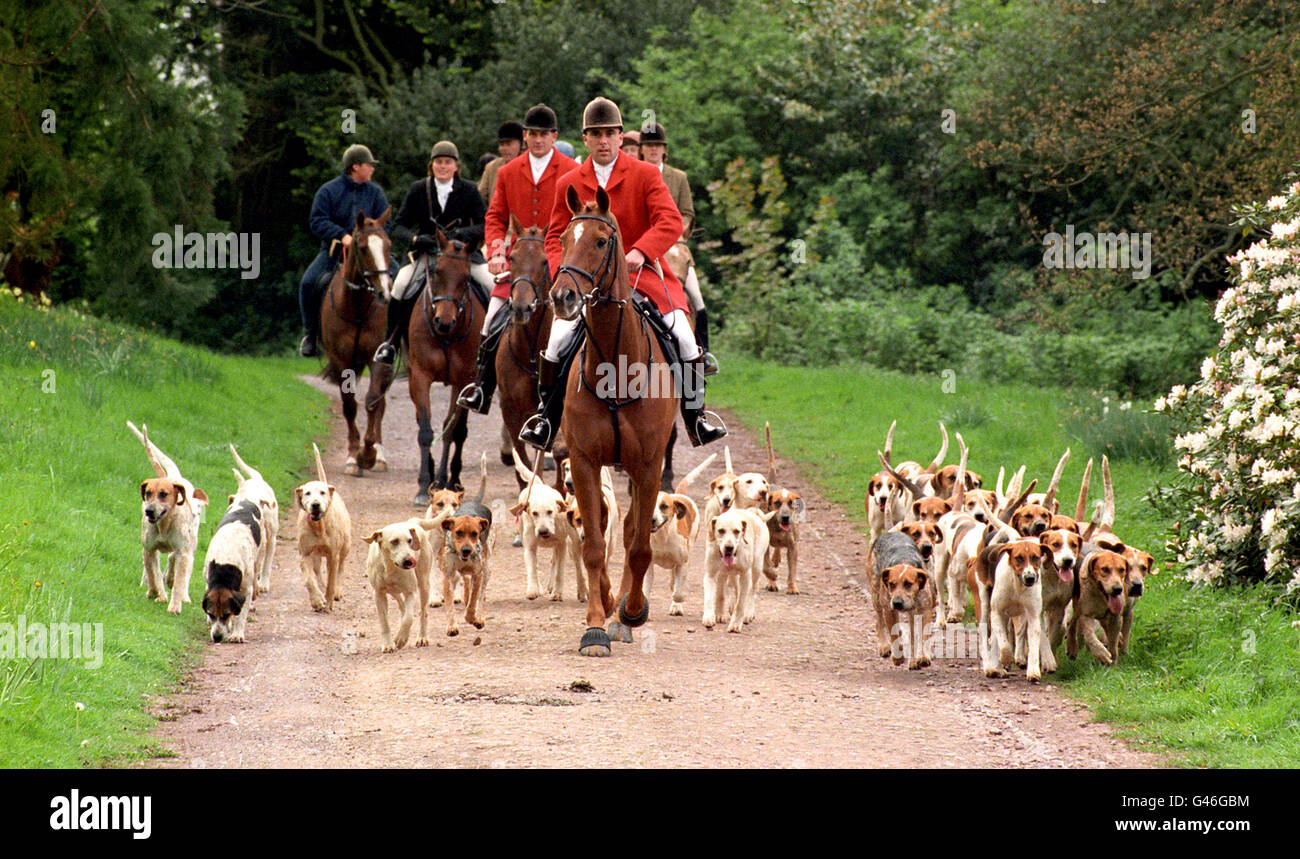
{"x":525,"y":189}
{"x":649,"y":224}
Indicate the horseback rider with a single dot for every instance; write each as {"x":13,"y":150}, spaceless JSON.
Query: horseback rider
{"x":334,"y":216}
{"x":510,"y":145}
{"x":654,"y":146}
{"x":650,"y":223}
{"x":440,"y":200}
{"x":631,"y":144}
{"x":525,"y":189}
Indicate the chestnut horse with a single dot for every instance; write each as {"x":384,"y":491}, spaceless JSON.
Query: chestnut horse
{"x":353,"y":317}
{"x":604,"y":427}
{"x":443,"y":347}
{"x":530,"y":326}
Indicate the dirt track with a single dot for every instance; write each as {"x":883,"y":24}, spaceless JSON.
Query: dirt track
{"x":801,"y":687}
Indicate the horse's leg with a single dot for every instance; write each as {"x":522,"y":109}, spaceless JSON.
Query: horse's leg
{"x":419,"y":384}
{"x":666,"y":480}
{"x":440,"y":480}
{"x":634,"y":608}
{"x":600,"y":604}
{"x":459,"y":433}
{"x":348,"y":393}
{"x":372,"y":455}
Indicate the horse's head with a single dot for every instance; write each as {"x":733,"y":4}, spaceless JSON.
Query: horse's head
{"x":370,"y":250}
{"x":529,"y":275}
{"x":592,"y":266}
{"x":450,"y":284}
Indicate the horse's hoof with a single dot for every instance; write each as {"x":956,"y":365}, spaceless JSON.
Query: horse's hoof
{"x":353,"y":469}
{"x":517,"y":541}
{"x":366,"y":459}
{"x":633,"y":621}
{"x":380,"y":465}
{"x":507,"y":458}
{"x":619,"y":632}
{"x":421,"y":500}
{"x":595,"y":642}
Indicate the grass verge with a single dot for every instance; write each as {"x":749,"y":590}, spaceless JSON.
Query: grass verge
{"x":70,"y":538}
{"x":1213,"y":678}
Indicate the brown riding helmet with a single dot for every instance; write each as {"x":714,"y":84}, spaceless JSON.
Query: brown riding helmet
{"x":600,"y":112}
{"x":540,"y":118}
{"x":653,"y":132}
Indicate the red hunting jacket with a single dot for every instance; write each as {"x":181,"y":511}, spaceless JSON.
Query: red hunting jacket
{"x":515,"y":194}
{"x":648,"y":220}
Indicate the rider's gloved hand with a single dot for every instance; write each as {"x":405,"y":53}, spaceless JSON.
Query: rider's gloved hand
{"x":424,"y":245}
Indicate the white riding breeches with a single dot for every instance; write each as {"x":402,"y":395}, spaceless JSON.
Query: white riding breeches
{"x":681,"y":328}
{"x":493,"y":306}
{"x":478,"y":271}
{"x":692,"y":289}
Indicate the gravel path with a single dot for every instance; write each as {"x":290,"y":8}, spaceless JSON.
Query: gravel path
{"x":801,"y":687}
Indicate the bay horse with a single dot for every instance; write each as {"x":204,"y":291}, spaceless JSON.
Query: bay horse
{"x":606,"y":428}
{"x":353,"y":318}
{"x":530,"y":326}
{"x":443,"y":347}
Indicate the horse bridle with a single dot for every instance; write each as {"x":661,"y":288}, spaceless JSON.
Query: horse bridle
{"x":460,"y":301}
{"x":539,"y":293}
{"x":366,"y":273}
{"x":598,"y":292}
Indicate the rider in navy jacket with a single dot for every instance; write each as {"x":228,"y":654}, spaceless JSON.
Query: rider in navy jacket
{"x":334,"y":216}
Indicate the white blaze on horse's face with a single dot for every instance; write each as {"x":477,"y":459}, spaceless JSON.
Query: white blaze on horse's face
{"x":577,"y":233}
{"x":380,"y":260}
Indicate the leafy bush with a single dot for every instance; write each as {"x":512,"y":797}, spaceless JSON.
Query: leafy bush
{"x":1239,"y":494}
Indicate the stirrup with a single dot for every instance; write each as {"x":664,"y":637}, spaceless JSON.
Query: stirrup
{"x":537,"y":433}
{"x":704,"y":430}
{"x":471,"y":397}
{"x":386,"y":353}
{"x":307,"y":347}
{"x":708,"y":363}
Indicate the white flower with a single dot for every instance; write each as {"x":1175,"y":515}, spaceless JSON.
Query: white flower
{"x":1268,"y":521}
{"x":1192,"y":442}
{"x":1276,"y":202}
{"x":1207,"y":368}
{"x":1159,"y":404}
{"x":1235,"y":417}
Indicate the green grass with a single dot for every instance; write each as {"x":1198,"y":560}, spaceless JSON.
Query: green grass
{"x":70,"y":538}
{"x":1213,"y":678}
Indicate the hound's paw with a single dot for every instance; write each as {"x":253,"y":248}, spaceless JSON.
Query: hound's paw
{"x":708,"y":620}
{"x":734,"y":627}
{"x":793,"y":590}
{"x":236,"y":639}
{"x":174,"y":608}
{"x":676,"y":609}
{"x":422,"y":642}
{"x":955,"y":617}
{"x":531,"y":593}
{"x":884,"y":650}
{"x":557,"y":597}
{"x":318,"y":604}
{"x":918,"y":663}
{"x":389,"y":648}
{"x":1022,"y":662}
{"x":994,"y":672}
{"x":899,"y":660}
{"x":435,"y":603}
{"x":772,"y":586}
{"x":1034,"y":676}
{"x":452,"y":631}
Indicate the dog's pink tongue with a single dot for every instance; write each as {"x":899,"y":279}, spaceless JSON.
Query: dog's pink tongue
{"x":728,"y":560}
{"x":1115,"y":603}
{"x":1066,"y":575}
{"x":785,"y":526}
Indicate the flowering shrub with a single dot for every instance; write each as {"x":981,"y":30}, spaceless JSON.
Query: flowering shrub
{"x":1238,"y":494}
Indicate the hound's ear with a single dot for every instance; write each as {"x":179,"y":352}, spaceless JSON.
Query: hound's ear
{"x":448,"y":524}
{"x":180,"y":493}
{"x":800,"y":507}
{"x":916,"y":508}
{"x":237,"y":603}
{"x":602,"y":200}
{"x":744,"y":529}
{"x":680,"y":508}
{"x":200,"y":496}
{"x":230,"y":499}
{"x":206,"y":604}
{"x":884,"y":575}
{"x":571,"y":197}
{"x":569,"y":514}
{"x":143,"y":484}
{"x":297,"y":490}
{"x":517,"y":509}
{"x":374,"y":537}
{"x":415,"y":536}
{"x":921,"y":579}
{"x":484,"y":523}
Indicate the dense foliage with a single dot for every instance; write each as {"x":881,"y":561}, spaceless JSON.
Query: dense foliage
{"x":873,"y":181}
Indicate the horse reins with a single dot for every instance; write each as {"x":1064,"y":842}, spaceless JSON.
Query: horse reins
{"x":365,"y":286}
{"x":534,"y":306}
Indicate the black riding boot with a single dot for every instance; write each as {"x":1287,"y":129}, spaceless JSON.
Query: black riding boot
{"x":478,"y":396}
{"x":698,"y":428}
{"x":308,"y":347}
{"x":540,"y":429}
{"x":399,"y":317}
{"x":702,"y":340}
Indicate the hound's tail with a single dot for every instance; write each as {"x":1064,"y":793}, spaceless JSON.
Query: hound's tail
{"x":320,"y":468}
{"x":726,"y":455}
{"x":1081,"y":508}
{"x":482,"y":483}
{"x":162,"y":465}
{"x":248,"y":470}
{"x":771,"y":457}
{"x":694,"y":473}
